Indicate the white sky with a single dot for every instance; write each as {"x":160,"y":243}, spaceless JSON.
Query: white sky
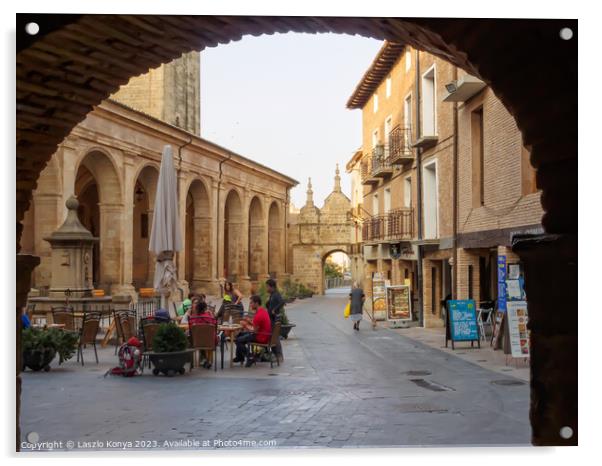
{"x":280,"y":100}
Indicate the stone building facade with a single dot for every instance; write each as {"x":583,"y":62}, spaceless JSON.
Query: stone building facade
{"x":314,"y":234}
{"x":433,"y":139}
{"x":233,"y":210}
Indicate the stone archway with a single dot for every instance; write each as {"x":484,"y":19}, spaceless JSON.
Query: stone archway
{"x":233,"y":232}
{"x":98,"y":185}
{"x":257,"y":241}
{"x":198,"y":237}
{"x":275,"y":241}
{"x":58,"y":83}
{"x":325,"y":256}
{"x":144,"y":197}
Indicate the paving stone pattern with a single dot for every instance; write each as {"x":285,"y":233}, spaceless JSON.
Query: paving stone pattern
{"x":336,"y":388}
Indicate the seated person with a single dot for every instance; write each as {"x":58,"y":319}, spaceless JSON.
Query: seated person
{"x":183,"y":309}
{"x":202,"y":315}
{"x":260,"y":332}
{"x":25,"y":322}
{"x":162,"y":316}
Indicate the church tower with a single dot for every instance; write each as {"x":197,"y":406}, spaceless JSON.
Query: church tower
{"x":171,"y":93}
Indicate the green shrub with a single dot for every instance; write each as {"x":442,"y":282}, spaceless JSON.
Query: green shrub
{"x":169,"y":338}
{"x":61,"y":341}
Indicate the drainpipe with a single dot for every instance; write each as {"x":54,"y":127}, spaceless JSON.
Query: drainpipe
{"x":455,"y":199}
{"x":419,"y":252}
{"x":219,"y":185}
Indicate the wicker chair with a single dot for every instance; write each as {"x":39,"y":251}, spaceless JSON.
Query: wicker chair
{"x":272,"y":343}
{"x":203,"y":337}
{"x":87,"y":335}
{"x":235,"y":311}
{"x":125,"y":324}
{"x":64,"y":315}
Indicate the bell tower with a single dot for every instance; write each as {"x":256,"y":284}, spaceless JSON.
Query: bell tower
{"x":171,"y":93}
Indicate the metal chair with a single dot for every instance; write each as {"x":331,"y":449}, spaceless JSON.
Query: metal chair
{"x":64,"y":315}
{"x":87,"y":336}
{"x":203,"y":337}
{"x":272,"y":343}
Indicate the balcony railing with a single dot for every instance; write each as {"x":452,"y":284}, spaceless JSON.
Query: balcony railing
{"x":395,"y":225}
{"x":400,"y":146}
{"x":367,"y":172}
{"x":381,"y":167}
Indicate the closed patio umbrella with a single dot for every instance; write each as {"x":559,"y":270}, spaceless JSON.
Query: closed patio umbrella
{"x":166,"y":236}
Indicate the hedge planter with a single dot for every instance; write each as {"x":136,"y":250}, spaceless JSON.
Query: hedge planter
{"x":172,"y":363}
{"x":37,"y":360}
{"x":285,"y":330}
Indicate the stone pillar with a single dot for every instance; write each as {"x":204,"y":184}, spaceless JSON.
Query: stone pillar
{"x":25,"y":266}
{"x":202,"y":252}
{"x":217,"y":240}
{"x":48,"y":214}
{"x":69,"y":161}
{"x":111,"y":231}
{"x":180,"y":259}
{"x":550,"y":266}
{"x":128,"y":222}
{"x":244,"y":281}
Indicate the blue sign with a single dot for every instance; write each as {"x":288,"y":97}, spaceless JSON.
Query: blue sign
{"x":501,"y":283}
{"x":463,"y":320}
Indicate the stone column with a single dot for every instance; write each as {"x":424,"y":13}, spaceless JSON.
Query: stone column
{"x":243,"y":243}
{"x":69,"y":160}
{"x":128,"y":222}
{"x":111,"y":231}
{"x":25,"y":266}
{"x":181,"y":255}
{"x":202,"y":252}
{"x":48,"y":214}
{"x":550,"y":266}
{"x":217,"y":240}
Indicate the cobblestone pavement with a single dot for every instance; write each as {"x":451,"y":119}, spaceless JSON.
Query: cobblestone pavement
{"x":336,"y":388}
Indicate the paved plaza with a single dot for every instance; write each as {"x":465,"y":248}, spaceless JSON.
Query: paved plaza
{"x":336,"y":388}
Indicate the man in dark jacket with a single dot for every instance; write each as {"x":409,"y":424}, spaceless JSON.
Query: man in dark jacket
{"x":275,"y":302}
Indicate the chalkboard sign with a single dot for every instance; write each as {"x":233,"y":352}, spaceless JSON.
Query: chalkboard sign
{"x":461,"y":322}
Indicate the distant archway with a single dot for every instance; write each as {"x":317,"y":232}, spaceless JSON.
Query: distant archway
{"x":233,"y":229}
{"x":98,"y":189}
{"x":198,"y":236}
{"x":144,"y":198}
{"x":257,"y":246}
{"x":336,"y":270}
{"x":275,"y":241}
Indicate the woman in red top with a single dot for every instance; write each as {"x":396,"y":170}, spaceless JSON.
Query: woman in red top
{"x":260,"y":333}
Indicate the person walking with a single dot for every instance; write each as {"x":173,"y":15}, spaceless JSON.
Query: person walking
{"x":357,"y":298}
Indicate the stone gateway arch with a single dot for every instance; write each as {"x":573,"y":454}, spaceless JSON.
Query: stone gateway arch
{"x":316,"y":233}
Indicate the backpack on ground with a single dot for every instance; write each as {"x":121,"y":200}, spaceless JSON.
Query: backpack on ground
{"x":129,"y":359}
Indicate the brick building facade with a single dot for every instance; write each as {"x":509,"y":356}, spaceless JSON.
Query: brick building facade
{"x":444,"y":177}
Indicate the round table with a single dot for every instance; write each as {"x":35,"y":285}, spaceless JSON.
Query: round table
{"x":230,"y":331}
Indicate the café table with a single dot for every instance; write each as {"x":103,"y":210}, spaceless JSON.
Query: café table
{"x":231,"y":331}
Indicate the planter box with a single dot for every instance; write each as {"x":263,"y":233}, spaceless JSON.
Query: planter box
{"x":285,"y":330}
{"x":171,"y":363}
{"x":38,"y":360}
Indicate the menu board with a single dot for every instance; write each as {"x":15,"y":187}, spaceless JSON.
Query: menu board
{"x":379,"y":295}
{"x":518,"y":318}
{"x":399,"y":303}
{"x":463,"y":320}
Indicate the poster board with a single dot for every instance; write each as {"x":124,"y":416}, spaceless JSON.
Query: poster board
{"x":379,"y":296}
{"x":498,"y":329}
{"x":501,"y":283}
{"x":399,"y":304}
{"x":518,"y":317}
{"x":461,"y":322}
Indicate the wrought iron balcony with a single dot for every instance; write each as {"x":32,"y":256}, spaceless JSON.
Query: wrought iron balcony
{"x":400,"y":146}
{"x":396,"y":225}
{"x":367,"y":176}
{"x":381,"y":166}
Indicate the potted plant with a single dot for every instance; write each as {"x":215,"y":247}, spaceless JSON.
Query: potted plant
{"x":285,"y":324}
{"x":170,"y":352}
{"x":40,"y":346}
